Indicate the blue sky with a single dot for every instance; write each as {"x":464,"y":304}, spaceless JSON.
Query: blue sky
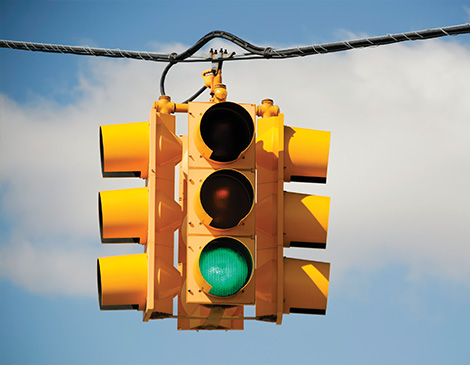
{"x":398,"y":177}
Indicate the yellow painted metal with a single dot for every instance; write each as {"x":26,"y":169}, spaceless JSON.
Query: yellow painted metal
{"x":164,"y":105}
{"x":306,"y":157}
{"x":123,"y":215}
{"x":305,"y":286}
{"x":198,"y":232}
{"x":193,"y":316}
{"x":125,"y":150}
{"x":220,"y":93}
{"x":218,"y":90}
{"x":204,"y":217}
{"x":210,"y":79}
{"x":196,"y":317}
{"x":122,"y":282}
{"x":165,"y":216}
{"x":267,"y":109}
{"x":305,"y":220}
{"x":149,"y":215}
{"x":286,"y":219}
{"x":203,"y":149}
{"x":269,"y":218}
{"x":167,"y":211}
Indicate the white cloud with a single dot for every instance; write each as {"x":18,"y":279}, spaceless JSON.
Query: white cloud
{"x":398,"y":174}
{"x":49,"y":269}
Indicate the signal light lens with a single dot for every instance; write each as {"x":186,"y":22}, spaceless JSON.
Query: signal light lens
{"x":228,"y":130}
{"x":226,"y":265}
{"x":227,"y":196}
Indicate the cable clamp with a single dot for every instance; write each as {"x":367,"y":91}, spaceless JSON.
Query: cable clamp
{"x":172,"y":57}
{"x":268,"y":52}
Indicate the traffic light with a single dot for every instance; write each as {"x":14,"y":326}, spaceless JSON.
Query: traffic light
{"x":286,"y":219}
{"x":217,"y":187}
{"x":147,"y":216}
{"x":233,"y":215}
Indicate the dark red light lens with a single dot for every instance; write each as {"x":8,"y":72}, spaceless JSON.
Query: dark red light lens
{"x":227,"y":196}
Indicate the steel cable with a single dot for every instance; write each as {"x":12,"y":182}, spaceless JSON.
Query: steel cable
{"x":253,"y":51}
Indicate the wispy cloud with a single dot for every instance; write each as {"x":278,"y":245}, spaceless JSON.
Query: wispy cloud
{"x":467,"y":10}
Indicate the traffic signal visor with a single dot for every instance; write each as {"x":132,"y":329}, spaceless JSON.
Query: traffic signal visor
{"x":123,"y":215}
{"x":125,"y":150}
{"x":148,"y":216}
{"x":122,"y":282}
{"x":224,"y":132}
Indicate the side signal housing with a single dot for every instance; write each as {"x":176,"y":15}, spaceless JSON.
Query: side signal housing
{"x":286,"y":219}
{"x":147,"y":216}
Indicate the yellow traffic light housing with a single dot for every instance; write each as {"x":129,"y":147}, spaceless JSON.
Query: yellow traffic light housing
{"x":129,"y":159}
{"x":220,"y":228}
{"x":305,"y":286}
{"x":193,"y":316}
{"x":122,"y":282}
{"x":148,"y":216}
{"x":286,"y":219}
{"x":234,"y":217}
{"x":123,"y":215}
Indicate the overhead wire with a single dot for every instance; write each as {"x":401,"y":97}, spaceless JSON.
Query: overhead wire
{"x":162,"y":84}
{"x":254,"y":52}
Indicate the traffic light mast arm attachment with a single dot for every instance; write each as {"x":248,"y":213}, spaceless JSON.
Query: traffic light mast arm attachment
{"x":213,"y":80}
{"x":164,"y":105}
{"x":267,"y":109}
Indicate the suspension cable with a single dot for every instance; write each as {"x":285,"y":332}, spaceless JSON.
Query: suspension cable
{"x":254,"y":52}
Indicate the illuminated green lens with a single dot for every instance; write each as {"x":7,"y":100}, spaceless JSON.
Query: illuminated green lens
{"x":226,"y":264}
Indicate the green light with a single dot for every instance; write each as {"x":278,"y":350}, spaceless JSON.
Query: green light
{"x":226,"y":264}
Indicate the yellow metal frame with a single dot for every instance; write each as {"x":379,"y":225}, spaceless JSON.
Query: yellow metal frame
{"x":285,"y":285}
{"x":125,"y":281}
{"x":307,"y":152}
{"x":197,"y":232}
{"x":165,"y":216}
{"x":123,"y":215}
{"x":280,"y":154}
{"x":130,"y":159}
{"x":269,"y":229}
{"x":192,"y":316}
{"x":297,"y":210}
{"x":148,"y":215}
